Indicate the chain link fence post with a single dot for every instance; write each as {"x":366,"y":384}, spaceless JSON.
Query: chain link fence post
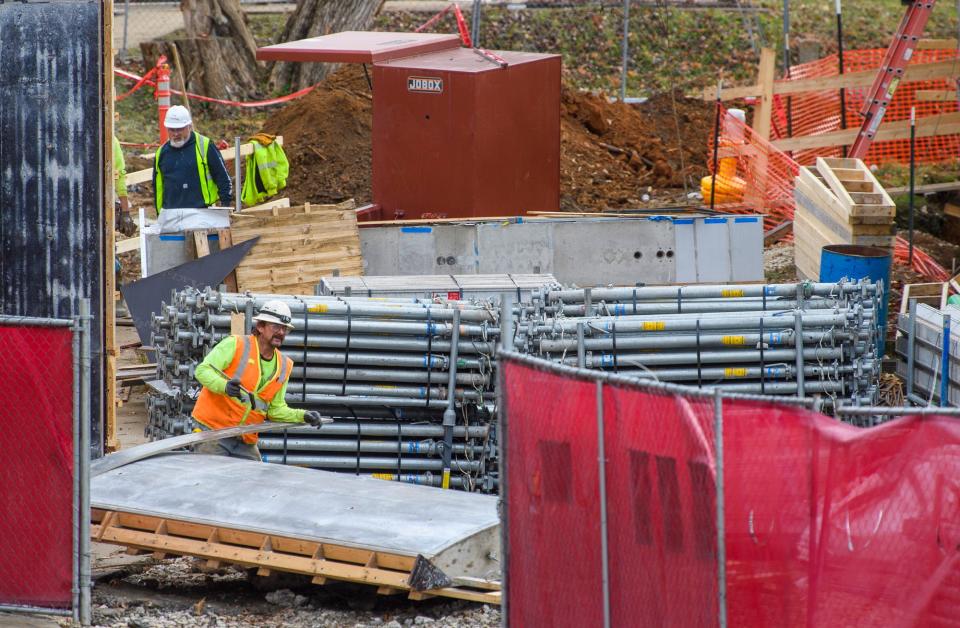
{"x":602,"y":487}
{"x":721,"y":526}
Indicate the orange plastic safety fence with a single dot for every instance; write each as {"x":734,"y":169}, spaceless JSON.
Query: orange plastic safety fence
{"x":815,"y":113}
{"x":752,"y":176}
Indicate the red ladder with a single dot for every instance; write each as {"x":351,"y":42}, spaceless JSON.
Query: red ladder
{"x":891,"y":73}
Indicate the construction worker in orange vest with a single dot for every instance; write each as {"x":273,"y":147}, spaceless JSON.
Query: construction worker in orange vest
{"x":245,"y":381}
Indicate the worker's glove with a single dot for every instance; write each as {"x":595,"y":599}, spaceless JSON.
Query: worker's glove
{"x":233,"y":389}
{"x":312,"y":417}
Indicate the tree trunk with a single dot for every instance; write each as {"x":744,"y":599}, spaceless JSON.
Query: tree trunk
{"x":219,"y":53}
{"x":313,"y":18}
{"x":212,"y":67}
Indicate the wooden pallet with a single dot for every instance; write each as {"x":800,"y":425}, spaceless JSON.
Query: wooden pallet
{"x":839,"y":201}
{"x":388,"y":572}
{"x":297,"y":247}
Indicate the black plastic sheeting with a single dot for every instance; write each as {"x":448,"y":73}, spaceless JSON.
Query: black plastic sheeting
{"x":145,"y":296}
{"x":51,"y":145}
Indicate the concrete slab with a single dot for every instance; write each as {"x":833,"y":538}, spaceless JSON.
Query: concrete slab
{"x":444,"y":526}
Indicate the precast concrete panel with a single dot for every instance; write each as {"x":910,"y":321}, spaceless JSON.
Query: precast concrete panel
{"x":746,"y":262}
{"x":589,"y":253}
{"x":713,"y":250}
{"x":516,"y":248}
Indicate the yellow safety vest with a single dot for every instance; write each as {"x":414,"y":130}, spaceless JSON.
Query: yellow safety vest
{"x":270,"y":163}
{"x":208,"y":188}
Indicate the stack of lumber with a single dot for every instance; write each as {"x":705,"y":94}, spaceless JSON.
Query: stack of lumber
{"x":297,"y":247}
{"x":839,"y":201}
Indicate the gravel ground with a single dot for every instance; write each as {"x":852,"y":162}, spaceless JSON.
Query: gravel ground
{"x":183,"y":592}
{"x":778,"y":264}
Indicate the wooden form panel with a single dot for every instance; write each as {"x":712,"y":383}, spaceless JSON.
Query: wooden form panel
{"x":297,"y":247}
{"x":322,"y":561}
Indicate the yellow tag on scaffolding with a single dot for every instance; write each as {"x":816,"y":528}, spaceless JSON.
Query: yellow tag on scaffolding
{"x":731,"y":293}
{"x":654,"y":326}
{"x":320,"y":308}
{"x":734,"y":340}
{"x":382,"y":476}
{"x":735,"y":372}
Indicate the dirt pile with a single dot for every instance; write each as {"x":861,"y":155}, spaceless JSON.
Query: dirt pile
{"x":326,"y":137}
{"x":611,"y":153}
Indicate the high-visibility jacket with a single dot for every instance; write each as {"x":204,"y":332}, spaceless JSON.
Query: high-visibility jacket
{"x":218,"y":411}
{"x":267,"y":170}
{"x":208,"y":187}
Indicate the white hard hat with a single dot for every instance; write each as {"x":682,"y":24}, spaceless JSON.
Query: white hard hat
{"x":177,"y":117}
{"x":275,"y":312}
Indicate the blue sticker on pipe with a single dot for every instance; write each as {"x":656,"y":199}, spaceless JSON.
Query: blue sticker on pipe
{"x":416,"y":229}
{"x":173,"y":238}
{"x":746,"y":219}
{"x":715,"y":221}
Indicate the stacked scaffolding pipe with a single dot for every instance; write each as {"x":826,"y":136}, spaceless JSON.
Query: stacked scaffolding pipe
{"x":385,"y":369}
{"x":782,"y":339}
{"x":409,"y":382}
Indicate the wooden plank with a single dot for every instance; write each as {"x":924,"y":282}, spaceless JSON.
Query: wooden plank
{"x":937,"y":44}
{"x":914,"y":72}
{"x":201,"y":243}
{"x":936,"y":125}
{"x":276,"y":203}
{"x":877,"y":188}
{"x":110,"y":351}
{"x":856,"y":186}
{"x":927,"y":188}
{"x":143,"y":176}
{"x":936,"y":95}
{"x":867,"y":198}
{"x":225,"y":240}
{"x":848,"y":174}
{"x":951,"y":210}
{"x":836,"y":186}
{"x":778,"y":233}
{"x":128,"y":245}
{"x":285,"y":209}
{"x":765,"y":76}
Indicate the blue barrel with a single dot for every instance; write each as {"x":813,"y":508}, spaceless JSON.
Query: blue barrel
{"x":852,"y":261}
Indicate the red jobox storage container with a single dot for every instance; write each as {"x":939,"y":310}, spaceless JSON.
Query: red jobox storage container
{"x":455,"y":134}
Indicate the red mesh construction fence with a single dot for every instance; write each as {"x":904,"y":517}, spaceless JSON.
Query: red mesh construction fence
{"x":817,"y":112}
{"x":825,"y":523}
{"x":752,"y":176}
{"x":36,"y":500}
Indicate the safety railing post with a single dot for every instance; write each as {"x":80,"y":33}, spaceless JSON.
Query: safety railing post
{"x":721,"y":525}
{"x":602,"y":486}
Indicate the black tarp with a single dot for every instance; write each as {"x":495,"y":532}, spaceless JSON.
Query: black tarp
{"x":51,"y":148}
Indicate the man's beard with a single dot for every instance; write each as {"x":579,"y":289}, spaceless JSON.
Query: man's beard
{"x":178,"y":143}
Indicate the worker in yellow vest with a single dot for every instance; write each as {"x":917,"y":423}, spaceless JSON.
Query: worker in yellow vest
{"x":244,"y":382}
{"x":188,"y":170}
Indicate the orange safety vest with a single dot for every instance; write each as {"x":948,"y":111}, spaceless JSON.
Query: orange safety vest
{"x":219,"y":411}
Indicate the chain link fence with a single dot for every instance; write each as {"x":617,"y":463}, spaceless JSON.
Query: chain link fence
{"x":44,"y":503}
{"x":139,"y":21}
{"x":633,"y":502}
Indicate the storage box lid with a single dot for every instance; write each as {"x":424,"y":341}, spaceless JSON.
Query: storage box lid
{"x":358,"y":47}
